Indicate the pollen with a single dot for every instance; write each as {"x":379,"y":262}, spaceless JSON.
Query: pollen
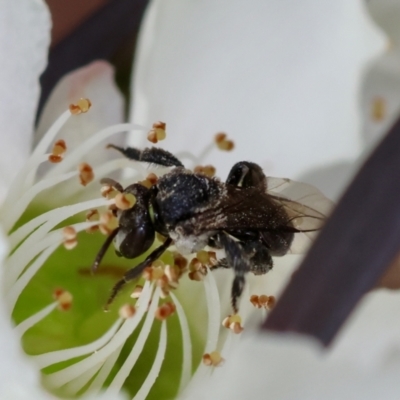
{"x":234,"y":323}
{"x":108,"y":222}
{"x":70,"y":239}
{"x":82,"y":106}
{"x":63,"y":298}
{"x":213,"y":359}
{"x":127,"y":311}
{"x":164,"y":311}
{"x":86,"y":174}
{"x":125,"y":201}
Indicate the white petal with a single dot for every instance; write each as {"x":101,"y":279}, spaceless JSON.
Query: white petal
{"x":364,"y":362}
{"x":24,"y":39}
{"x":380,"y":97}
{"x":280,"y":77}
{"x":95,"y":82}
{"x":19,"y":379}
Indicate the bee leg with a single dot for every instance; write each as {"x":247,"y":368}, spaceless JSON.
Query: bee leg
{"x":246,"y":174}
{"x":135,"y":272}
{"x":260,"y":258}
{"x":222,"y":263}
{"x":153,"y":155}
{"x":239,"y":262}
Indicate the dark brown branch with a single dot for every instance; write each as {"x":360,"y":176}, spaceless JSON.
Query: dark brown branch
{"x":352,"y":252}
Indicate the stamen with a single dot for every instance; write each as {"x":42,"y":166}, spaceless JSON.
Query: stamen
{"x":82,"y":106}
{"x":59,"y":378}
{"x":223,"y":143}
{"x":234,"y":323}
{"x":186,"y":344}
{"x":69,"y":234}
{"x":267,"y":302}
{"x":164,"y":311}
{"x":57,"y":153}
{"x":25,"y":176}
{"x":137,"y":292}
{"x":86,"y":174}
{"x":64,"y":299}
{"x":108,"y":223}
{"x":156,"y":367}
{"x":125,"y":201}
{"x":157,"y":133}
{"x":127,"y":311}
{"x":54,"y":357}
{"x":137,"y":349}
{"x":34,"y":319}
{"x":213,"y":359}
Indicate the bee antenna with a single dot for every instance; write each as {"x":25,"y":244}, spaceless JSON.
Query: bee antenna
{"x":103,"y":250}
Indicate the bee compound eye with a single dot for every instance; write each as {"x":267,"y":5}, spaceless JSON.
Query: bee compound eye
{"x":134,"y":242}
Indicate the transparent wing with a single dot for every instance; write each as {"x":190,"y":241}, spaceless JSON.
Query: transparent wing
{"x":306,"y":206}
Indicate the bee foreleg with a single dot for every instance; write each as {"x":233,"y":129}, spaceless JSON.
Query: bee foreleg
{"x":135,"y":272}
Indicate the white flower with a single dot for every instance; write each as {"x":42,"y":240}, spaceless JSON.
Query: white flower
{"x":194,"y":99}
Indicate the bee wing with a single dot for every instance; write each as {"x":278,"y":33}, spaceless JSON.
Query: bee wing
{"x":306,"y":206}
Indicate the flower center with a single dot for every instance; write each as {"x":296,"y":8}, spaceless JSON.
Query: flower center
{"x":107,"y":361}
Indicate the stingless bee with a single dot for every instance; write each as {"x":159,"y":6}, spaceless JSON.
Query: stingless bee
{"x":251,"y":217}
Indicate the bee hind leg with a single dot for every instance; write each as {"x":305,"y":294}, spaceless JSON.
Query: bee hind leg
{"x":236,"y":259}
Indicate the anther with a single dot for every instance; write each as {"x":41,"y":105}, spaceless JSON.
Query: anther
{"x":157,"y":133}
{"x":137,"y":292}
{"x":82,"y":106}
{"x":234,"y":323}
{"x":164,"y":311}
{"x":57,"y":153}
{"x":69,"y":235}
{"x":86,"y":174}
{"x":127,"y":311}
{"x":64,"y":299}
{"x":92,"y":216}
{"x":213,"y":359}
{"x":125,"y":201}
{"x":108,"y":222}
{"x":223,"y":143}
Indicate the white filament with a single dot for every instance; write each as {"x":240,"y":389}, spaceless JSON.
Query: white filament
{"x":156,"y":367}
{"x":59,"y":378}
{"x":105,"y":370}
{"x":74,"y":157}
{"x":54,"y":357}
{"x":34,"y":319}
{"x":54,"y":217}
{"x":16,"y":290}
{"x":119,"y":379}
{"x":186,"y":344}
{"x":20,"y":182}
